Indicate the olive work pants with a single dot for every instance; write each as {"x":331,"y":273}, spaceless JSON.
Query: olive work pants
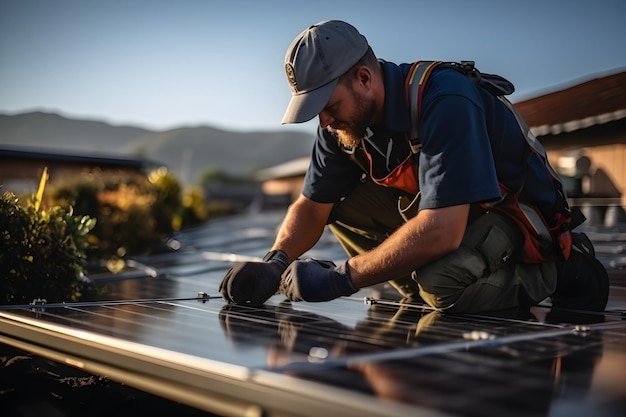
{"x":482,"y":274}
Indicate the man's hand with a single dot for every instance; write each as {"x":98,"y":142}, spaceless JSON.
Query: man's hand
{"x":312,"y":280}
{"x":252,"y":283}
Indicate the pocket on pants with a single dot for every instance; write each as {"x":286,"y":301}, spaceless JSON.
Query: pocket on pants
{"x":443,"y":281}
{"x":496,"y":247}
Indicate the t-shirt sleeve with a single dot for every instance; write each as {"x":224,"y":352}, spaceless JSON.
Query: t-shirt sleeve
{"x":331,"y":173}
{"x":456,"y":164}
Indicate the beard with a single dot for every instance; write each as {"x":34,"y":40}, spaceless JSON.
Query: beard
{"x":350,"y":133}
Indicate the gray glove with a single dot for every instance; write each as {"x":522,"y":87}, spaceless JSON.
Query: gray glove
{"x":252,"y":283}
{"x":313,"y":280}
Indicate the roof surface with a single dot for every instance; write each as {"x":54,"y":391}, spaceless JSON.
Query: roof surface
{"x":596,"y":101}
{"x":365,"y":355}
{"x":37,"y":154}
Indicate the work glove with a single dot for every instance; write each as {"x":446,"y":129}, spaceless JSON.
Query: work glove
{"x":252,"y":283}
{"x":313,"y":280}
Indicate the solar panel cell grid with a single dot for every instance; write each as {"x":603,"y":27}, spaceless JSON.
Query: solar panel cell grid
{"x":379,"y":357}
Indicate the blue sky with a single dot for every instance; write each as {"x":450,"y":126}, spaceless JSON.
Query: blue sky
{"x":166,"y":64}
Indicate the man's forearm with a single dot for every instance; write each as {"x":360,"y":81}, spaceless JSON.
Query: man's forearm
{"x":428,"y":236}
{"x":302,"y":227}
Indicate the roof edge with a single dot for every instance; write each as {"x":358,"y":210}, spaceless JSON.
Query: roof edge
{"x":578,"y":124}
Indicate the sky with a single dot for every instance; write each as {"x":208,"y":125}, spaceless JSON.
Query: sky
{"x":183,"y":63}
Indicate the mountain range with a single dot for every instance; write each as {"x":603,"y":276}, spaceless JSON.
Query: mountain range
{"x":186,"y":151}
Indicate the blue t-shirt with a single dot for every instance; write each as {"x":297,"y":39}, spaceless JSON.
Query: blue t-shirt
{"x":470,"y":142}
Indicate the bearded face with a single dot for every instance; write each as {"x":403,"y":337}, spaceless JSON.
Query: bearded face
{"x":351,"y":132}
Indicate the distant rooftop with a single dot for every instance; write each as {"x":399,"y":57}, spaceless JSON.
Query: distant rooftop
{"x":597,"y":101}
{"x":293,"y":168}
{"x":100,"y":159}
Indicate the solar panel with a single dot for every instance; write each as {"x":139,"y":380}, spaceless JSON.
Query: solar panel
{"x":370,"y":354}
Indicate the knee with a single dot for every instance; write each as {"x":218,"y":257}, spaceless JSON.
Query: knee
{"x":439,"y":294}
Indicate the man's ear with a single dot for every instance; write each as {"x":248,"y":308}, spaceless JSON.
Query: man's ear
{"x":363,"y":77}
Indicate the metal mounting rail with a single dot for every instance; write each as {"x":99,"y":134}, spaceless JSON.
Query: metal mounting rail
{"x":42,"y":304}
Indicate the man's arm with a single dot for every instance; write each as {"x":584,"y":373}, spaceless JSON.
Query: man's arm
{"x":423,"y":239}
{"x":302,"y":227}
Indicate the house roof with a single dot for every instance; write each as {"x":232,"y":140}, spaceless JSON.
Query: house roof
{"x":163,"y":328}
{"x":597,"y":101}
{"x":289,"y":169}
{"x":111,"y":160}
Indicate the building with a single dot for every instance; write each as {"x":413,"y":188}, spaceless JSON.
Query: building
{"x":583,"y":129}
{"x":597,"y":102}
{"x":285,"y":179}
{"x":21,"y":168}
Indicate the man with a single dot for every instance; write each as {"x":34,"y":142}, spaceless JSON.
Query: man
{"x":446,"y":248}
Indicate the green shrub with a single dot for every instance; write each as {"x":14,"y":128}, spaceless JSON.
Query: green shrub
{"x":93,"y":218}
{"x":135,"y":213}
{"x":167,"y":195}
{"x":42,"y":252}
{"x":194,"y":209}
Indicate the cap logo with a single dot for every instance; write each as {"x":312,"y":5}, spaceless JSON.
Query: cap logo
{"x":291,"y":75}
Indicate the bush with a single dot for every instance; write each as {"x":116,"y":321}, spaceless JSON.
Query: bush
{"x":135,"y":214}
{"x":42,"y":253}
{"x":194,"y":209}
{"x":93,"y":217}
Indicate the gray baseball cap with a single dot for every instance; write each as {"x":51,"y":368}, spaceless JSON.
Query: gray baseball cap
{"x":314,"y":62}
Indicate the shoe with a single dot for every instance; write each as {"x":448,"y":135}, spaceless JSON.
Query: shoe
{"x":583,"y":282}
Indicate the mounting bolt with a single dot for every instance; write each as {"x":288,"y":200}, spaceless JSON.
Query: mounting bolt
{"x":583,"y":330}
{"x":369,"y":301}
{"x":38,"y":304}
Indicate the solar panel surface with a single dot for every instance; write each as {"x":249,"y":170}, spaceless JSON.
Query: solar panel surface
{"x":162,"y":328}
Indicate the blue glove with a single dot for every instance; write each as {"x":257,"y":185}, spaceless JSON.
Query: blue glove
{"x":312,"y":280}
{"x":252,"y":283}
